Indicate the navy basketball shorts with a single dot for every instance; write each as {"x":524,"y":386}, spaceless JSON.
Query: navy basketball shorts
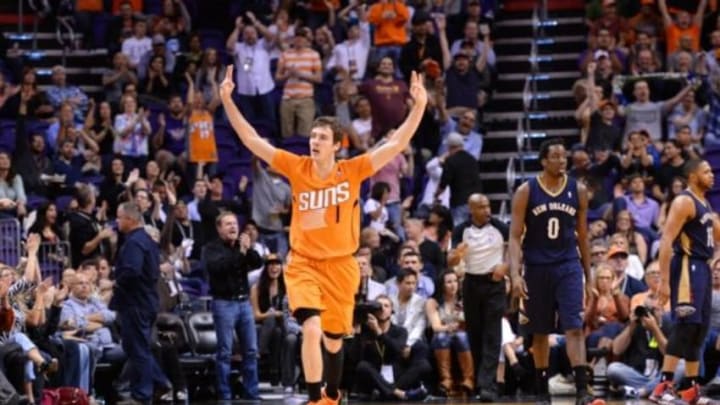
{"x":555,"y":297}
{"x":690,"y":287}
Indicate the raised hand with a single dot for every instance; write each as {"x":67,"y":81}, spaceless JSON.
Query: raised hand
{"x":227,"y":86}
{"x":417,"y":89}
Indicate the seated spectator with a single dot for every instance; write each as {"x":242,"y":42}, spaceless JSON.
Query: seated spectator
{"x":7,"y":90}
{"x":137,"y":45}
{"x":68,"y":165}
{"x":607,"y":304}
{"x":643,"y":209}
{"x":266,"y":298}
{"x":122,"y":25}
{"x":34,"y":101}
{"x":447,"y":320}
{"x":133,"y":129}
{"x":689,"y":147}
{"x":424,"y":285}
{"x":637,"y":370}
{"x":618,"y":259}
{"x":644,"y":58}
{"x":677,"y":185}
{"x":432,"y":255}
{"x":371,"y":288}
{"x":89,"y":318}
{"x":639,"y":157}
{"x":646,"y":22}
{"x":625,"y":224}
{"x":114,"y":79}
{"x":381,"y":345}
{"x":361,"y":134}
{"x":60,"y":92}
{"x":13,"y":201}
{"x":651,"y":296}
{"x":597,"y":118}
{"x":671,"y":168}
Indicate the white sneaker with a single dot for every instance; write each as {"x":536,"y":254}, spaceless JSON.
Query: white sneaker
{"x":288,"y":391}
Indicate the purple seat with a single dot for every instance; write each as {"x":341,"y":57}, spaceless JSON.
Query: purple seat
{"x":63,"y":202}
{"x":212,"y":39}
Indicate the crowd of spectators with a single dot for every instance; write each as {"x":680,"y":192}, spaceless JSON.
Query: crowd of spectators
{"x":428,"y":242}
{"x":155,"y":135}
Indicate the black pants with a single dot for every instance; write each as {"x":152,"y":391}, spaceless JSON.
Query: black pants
{"x":368,"y":377}
{"x":484,"y":306}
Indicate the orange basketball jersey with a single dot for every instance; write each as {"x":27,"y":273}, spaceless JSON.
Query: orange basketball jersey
{"x":325,"y":212}
{"x":201,"y":137}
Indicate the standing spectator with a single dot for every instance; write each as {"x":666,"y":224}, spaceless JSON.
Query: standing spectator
{"x":351,"y":55}
{"x":60,"y":92}
{"x":460,"y":175}
{"x":388,"y":18}
{"x":480,"y":244}
{"x":133,"y":129}
{"x":156,"y":84}
{"x":254,"y":80}
{"x":201,"y":145}
{"x":300,"y":68}
{"x":137,"y":45}
{"x":643,"y":209}
{"x":684,"y":25}
{"x":465,"y":80}
{"x":471,"y":37}
{"x":227,"y":260}
{"x":87,"y":238}
{"x":423,"y":46}
{"x":135,"y":299}
{"x":271,"y":199}
{"x":170,"y":139}
{"x":646,"y":114}
{"x":158,"y":49}
{"x":209,"y":74}
{"x":267,"y":298}
{"x":389,"y":98}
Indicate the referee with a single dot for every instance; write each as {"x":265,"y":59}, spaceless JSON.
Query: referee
{"x":480,"y":242}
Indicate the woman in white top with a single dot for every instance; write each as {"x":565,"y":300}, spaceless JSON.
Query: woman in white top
{"x":375,"y":209}
{"x":132,"y":128}
{"x":361,"y":137}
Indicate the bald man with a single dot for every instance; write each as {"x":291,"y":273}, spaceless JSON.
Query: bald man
{"x":480,"y":242}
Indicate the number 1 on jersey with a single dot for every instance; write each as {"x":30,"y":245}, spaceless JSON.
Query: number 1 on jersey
{"x":553,"y":228}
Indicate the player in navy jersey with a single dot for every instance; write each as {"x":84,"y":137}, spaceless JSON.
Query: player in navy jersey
{"x":551,"y":212}
{"x":686,"y":246}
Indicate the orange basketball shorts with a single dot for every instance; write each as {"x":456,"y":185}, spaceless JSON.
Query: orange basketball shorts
{"x":326,"y":285}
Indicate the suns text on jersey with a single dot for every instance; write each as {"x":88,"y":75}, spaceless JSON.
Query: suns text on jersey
{"x":318,"y":199}
{"x":554,"y":206}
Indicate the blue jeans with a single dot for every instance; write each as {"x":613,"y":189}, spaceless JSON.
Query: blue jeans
{"x":235,"y":316}
{"x":395,"y":216}
{"x":457,"y":341}
{"x":277,"y":242}
{"x":144,"y":372}
{"x":620,"y":374}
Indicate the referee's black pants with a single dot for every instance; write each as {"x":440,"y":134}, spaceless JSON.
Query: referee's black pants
{"x":484,"y":304}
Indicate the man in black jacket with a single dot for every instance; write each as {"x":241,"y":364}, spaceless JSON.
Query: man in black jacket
{"x":227,"y":261}
{"x":460,"y":173}
{"x":380,"y":346}
{"x":135,"y":299}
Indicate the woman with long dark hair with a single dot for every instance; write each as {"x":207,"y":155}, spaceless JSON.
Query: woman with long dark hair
{"x":267,"y":300}
{"x":12,"y":191}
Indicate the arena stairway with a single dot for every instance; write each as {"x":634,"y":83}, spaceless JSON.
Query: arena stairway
{"x":559,"y":38}
{"x":43,"y":50}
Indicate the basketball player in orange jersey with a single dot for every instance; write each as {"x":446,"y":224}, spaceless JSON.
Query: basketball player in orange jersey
{"x":322,"y":275}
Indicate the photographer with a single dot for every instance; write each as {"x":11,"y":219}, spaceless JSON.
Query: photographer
{"x":380,"y":344}
{"x":639,"y":347}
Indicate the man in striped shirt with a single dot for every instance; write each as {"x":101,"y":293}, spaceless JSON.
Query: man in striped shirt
{"x":300,"y":68}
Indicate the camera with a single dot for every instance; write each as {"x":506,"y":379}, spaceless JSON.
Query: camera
{"x":363,"y":309}
{"x":642,"y":311}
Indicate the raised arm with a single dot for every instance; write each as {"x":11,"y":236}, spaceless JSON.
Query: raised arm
{"x":401,"y":138}
{"x":247,"y":134}
{"x":699,"y":14}
{"x":667,"y":20}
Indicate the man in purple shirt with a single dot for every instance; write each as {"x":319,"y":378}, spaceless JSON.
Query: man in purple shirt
{"x":643,"y":209}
